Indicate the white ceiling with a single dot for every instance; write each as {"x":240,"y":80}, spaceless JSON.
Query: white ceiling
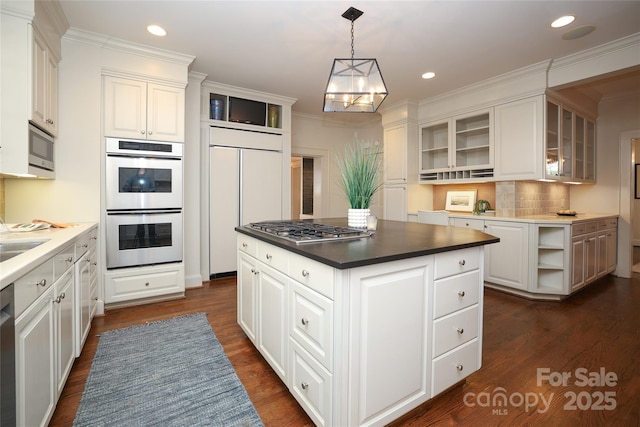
{"x":287,"y":47}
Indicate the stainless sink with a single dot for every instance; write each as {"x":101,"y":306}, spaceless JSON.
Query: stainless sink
{"x":10,"y":249}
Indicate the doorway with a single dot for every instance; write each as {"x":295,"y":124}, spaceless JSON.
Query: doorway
{"x":306,"y":185}
{"x":628,"y":221}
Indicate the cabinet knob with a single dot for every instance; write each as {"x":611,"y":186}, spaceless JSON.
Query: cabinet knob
{"x":304,"y":321}
{"x":461,"y":293}
{"x":459,"y":367}
{"x":57,"y":300}
{"x":305,"y":273}
{"x":244,"y":245}
{"x":142,"y":132}
{"x":269,"y":256}
{"x":146,"y":284}
{"x":70,"y":259}
{"x":462,"y":262}
{"x":42,"y":283}
{"x":467,"y":224}
{"x":149,"y":132}
{"x":304,"y":386}
{"x":254,"y":271}
{"x":460,"y":331}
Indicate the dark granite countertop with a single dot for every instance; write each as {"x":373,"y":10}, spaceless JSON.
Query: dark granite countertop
{"x":392,"y":241}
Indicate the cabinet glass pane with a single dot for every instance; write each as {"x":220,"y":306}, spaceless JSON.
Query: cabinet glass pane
{"x":566,"y":150}
{"x":472,"y":141}
{"x":553,"y":126}
{"x":580,"y":145}
{"x":590,"y":166}
{"x":435,"y":147}
{"x":217,"y":106}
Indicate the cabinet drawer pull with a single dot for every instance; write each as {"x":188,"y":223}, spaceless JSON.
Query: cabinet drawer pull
{"x":269,"y":256}
{"x":305,"y":273}
{"x":244,"y":245}
{"x":304,"y":385}
{"x":57,"y":300}
{"x":146,"y":284}
{"x":304,"y":321}
{"x":69,"y":259}
{"x":460,"y":331}
{"x":459,"y":367}
{"x":63,"y":295}
{"x":461,"y":293}
{"x":42,"y":283}
{"x":462,"y":262}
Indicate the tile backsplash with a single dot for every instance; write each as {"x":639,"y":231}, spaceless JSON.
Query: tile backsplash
{"x":522,"y":198}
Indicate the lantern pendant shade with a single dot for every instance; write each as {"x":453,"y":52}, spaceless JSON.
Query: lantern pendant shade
{"x":355,"y":85}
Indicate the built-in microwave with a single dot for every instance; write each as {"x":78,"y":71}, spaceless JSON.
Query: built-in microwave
{"x":40,"y":149}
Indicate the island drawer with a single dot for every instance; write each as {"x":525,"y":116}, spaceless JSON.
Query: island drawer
{"x":454,"y":330}
{"x":29,"y":287}
{"x":455,"y":366}
{"x":313,"y":274}
{"x":456,"y":262}
{"x":247,"y":244}
{"x":311,"y":322}
{"x":273,"y":256}
{"x":455,"y":293}
{"x":476,"y":224}
{"x":311,"y":385}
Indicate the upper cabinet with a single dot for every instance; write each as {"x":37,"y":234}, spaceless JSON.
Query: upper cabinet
{"x":542,"y":138}
{"x":238,"y":108}
{"x":458,"y":148}
{"x":570,"y":144}
{"x":143,"y":110}
{"x":44,"y":86}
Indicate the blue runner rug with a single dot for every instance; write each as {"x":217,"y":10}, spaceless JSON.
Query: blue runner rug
{"x":167,"y":373}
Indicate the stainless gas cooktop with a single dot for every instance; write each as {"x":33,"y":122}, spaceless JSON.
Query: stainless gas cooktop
{"x":308,"y":232}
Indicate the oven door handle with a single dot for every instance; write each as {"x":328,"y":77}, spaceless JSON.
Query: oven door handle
{"x":146,"y":212}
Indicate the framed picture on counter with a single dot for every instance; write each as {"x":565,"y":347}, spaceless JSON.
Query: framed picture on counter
{"x":462,"y":200}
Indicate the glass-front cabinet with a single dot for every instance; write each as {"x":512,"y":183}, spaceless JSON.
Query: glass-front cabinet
{"x":459,"y":148}
{"x":570,"y":144}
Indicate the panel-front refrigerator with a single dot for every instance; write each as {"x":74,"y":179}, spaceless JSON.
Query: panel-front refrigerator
{"x":245,"y":186}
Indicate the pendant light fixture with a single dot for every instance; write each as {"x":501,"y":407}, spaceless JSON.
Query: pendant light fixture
{"x":355,"y":85}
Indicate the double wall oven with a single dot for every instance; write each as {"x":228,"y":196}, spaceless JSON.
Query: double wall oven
{"x":143,"y":187}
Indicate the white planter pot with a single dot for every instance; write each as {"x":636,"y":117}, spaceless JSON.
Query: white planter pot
{"x":357,"y":218}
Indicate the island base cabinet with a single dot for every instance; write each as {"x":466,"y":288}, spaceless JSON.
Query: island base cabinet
{"x":272,"y":319}
{"x":311,"y":385}
{"x":455,"y":366}
{"x":390,"y":348}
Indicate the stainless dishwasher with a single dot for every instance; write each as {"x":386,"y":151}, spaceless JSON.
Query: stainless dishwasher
{"x":7,"y":358}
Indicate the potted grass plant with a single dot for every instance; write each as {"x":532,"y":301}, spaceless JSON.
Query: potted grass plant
{"x":360,"y":168}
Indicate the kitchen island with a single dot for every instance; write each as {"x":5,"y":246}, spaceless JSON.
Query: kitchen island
{"x":365,"y":330}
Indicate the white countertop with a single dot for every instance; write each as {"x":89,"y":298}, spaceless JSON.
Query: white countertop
{"x":56,"y":240}
{"x":538,"y":219}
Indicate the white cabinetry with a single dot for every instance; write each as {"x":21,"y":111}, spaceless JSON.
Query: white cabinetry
{"x":328,"y":332}
{"x":44,"y":87}
{"x":86,"y":291}
{"x":551,"y":255}
{"x":513,"y":245}
{"x":457,"y":149}
{"x":570,"y":144}
{"x":159,"y":281}
{"x":143,"y":110}
{"x":519,"y":139}
{"x":397,"y":140}
{"x":594,"y":251}
{"x":44,"y":338}
{"x":457,"y":314}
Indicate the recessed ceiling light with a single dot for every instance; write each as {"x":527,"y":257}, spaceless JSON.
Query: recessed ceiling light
{"x":428,"y":75}
{"x":563,"y":20}
{"x":156,"y":30}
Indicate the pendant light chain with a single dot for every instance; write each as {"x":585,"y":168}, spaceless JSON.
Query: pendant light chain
{"x":352,"y":52}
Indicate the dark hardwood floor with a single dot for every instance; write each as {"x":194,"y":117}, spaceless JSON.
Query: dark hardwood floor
{"x":594,"y":330}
